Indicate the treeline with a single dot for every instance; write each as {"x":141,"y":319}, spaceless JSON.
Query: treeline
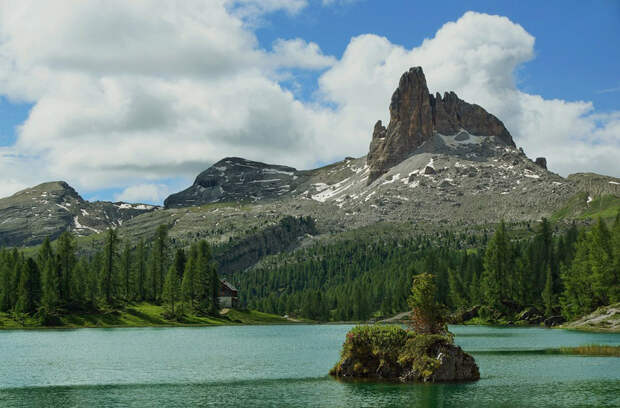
{"x":56,"y":280}
{"x":570,"y":273}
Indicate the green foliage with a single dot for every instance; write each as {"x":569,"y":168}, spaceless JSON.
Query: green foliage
{"x":593,"y":277}
{"x":52,"y":284}
{"x":427,"y":316}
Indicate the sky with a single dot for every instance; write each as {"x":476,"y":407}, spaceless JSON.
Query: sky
{"x":130,"y":100}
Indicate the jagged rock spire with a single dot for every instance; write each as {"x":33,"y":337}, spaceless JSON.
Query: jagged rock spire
{"x":416,"y":115}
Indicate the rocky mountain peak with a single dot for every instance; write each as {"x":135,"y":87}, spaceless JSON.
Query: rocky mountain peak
{"x":46,"y":210}
{"x":416,"y":116}
{"x":237,"y":179}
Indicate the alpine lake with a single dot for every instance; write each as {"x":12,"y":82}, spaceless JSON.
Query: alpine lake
{"x":287,"y":366}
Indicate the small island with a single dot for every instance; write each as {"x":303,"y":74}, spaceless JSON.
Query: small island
{"x":424,"y":353}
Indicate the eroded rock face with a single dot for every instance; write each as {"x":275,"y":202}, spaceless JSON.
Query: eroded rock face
{"x":454,"y":365}
{"x":416,"y":115}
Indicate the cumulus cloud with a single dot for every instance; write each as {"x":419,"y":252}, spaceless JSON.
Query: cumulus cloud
{"x":477,"y":57}
{"x":144,"y":193}
{"x":128,"y":93}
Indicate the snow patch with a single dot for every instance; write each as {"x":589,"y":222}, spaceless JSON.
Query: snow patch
{"x":276,"y":171}
{"x":265,"y":181}
{"x":394,"y":178}
{"x":80,"y":226}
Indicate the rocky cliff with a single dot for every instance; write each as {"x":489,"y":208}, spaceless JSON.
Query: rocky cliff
{"x":416,"y":116}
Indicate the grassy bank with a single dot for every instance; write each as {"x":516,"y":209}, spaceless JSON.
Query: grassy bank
{"x":591,"y":350}
{"x":142,"y":315}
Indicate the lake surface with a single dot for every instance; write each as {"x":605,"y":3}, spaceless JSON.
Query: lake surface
{"x":246,"y":366}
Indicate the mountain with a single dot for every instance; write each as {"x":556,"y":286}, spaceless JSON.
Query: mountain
{"x":440,"y":160}
{"x":440,"y":163}
{"x":237,"y":179}
{"x":30,"y":215}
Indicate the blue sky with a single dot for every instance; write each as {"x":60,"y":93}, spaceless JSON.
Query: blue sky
{"x":577,"y":57}
{"x":574,"y":58}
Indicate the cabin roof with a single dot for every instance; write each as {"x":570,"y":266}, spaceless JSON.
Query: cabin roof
{"x":228,"y":285}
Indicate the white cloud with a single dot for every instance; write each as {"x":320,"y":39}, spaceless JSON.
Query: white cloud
{"x":301,"y":54}
{"x":144,"y":193}
{"x":127,"y":93}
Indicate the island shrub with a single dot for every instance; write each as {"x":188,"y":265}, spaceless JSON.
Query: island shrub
{"x":371,"y":350}
{"x":393,"y":353}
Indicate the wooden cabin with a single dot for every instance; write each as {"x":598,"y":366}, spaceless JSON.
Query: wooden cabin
{"x":229,"y":295}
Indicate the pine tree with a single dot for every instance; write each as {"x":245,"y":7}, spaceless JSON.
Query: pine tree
{"x":50,"y":298}
{"x":601,"y":262}
{"x":427,"y":315}
{"x":108,"y":273}
{"x":65,"y":264}
{"x":126,"y":272}
{"x":5,"y":287}
{"x":179,"y":262}
{"x":214,"y":290}
{"x":496,"y":268}
{"x":187,"y":285}
{"x":547,"y":294}
{"x":171,"y":289}
{"x":159,"y":256}
{"x":141,"y":271}
{"x":29,"y":288}
{"x":578,"y":297}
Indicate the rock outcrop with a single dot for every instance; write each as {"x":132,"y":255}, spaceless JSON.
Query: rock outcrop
{"x":542,"y":162}
{"x":392,"y":353}
{"x":239,"y":180}
{"x":603,"y":319}
{"x":416,"y":115}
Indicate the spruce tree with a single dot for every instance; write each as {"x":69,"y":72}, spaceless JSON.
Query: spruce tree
{"x":547,"y":294}
{"x":496,"y":268}
{"x":160,"y":255}
{"x":214,"y":290}
{"x":29,"y":289}
{"x":141,"y":271}
{"x":187,"y":285}
{"x":66,"y":260}
{"x":126,"y":273}
{"x":108,"y":273}
{"x":50,"y":297}
{"x":171,"y":289}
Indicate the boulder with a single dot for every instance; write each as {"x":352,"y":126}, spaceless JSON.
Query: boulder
{"x":429,"y":170}
{"x":554,"y":321}
{"x":530,"y":315}
{"x":453,"y":365}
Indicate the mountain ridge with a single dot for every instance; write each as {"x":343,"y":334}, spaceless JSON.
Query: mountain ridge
{"x":440,"y":161}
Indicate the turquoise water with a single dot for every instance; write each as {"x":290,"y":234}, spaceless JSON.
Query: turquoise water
{"x":244,"y":366}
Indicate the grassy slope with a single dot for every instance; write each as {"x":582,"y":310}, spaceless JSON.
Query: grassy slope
{"x":606,"y":207}
{"x":146,"y":315}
